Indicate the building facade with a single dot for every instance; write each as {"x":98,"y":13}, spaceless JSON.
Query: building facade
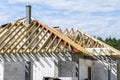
{"x":36,"y":51}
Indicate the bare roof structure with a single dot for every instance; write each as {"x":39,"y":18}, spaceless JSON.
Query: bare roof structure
{"x":20,"y":37}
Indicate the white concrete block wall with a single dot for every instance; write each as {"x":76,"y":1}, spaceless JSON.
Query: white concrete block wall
{"x":100,"y":71}
{"x":60,"y":57}
{"x":45,"y":65}
{"x":114,"y":71}
{"x":83,"y":68}
{"x":1,"y":70}
{"x":43,"y":68}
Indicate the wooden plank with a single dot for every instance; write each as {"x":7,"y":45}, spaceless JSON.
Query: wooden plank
{"x":51,"y":43}
{"x":18,"y":37}
{"x":64,"y":46}
{"x":39,"y":41}
{"x":12,"y":38}
{"x":46,"y":41}
{"x":104,"y":44}
{"x":57,"y":45}
{"x":28,"y":38}
{"x":64,"y":38}
{"x":37,"y":35}
{"x":24,"y":34}
{"x":3,"y":29}
{"x":10,"y":27}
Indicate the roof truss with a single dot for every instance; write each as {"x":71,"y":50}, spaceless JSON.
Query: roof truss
{"x":37,"y":37}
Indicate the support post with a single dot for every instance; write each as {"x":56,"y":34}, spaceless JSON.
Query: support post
{"x":109,"y":69}
{"x":118,"y":69}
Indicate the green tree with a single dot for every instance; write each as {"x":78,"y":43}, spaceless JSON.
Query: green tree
{"x":111,"y":41}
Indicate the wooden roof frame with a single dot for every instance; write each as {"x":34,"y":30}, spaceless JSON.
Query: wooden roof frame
{"x":27,"y":39}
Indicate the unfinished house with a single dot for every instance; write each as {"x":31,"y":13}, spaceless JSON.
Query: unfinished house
{"x":31,"y":50}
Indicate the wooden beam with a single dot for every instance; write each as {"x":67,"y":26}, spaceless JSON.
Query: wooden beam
{"x":18,"y":36}
{"x":106,"y":52}
{"x":104,"y":44}
{"x":6,"y":37}
{"x":27,"y":30}
{"x":12,"y":38}
{"x":29,"y":37}
{"x":51,"y":43}
{"x":57,"y":45}
{"x":36,"y":36}
{"x":39,"y":41}
{"x":10,"y":27}
{"x":64,"y":46}
{"x":80,"y":40}
{"x":3,"y":29}
{"x":66,"y":39}
{"x":45,"y":43}
{"x":88,"y":43}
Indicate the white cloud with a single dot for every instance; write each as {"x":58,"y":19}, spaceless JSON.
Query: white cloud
{"x":69,"y":13}
{"x":78,"y":5}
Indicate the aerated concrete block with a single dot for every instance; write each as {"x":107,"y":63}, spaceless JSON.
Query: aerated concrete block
{"x":14,"y":71}
{"x":67,"y":69}
{"x":1,"y":70}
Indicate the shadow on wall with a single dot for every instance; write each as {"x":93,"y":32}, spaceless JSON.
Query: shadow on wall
{"x":20,"y":57}
{"x":106,"y":67}
{"x":44,"y":59}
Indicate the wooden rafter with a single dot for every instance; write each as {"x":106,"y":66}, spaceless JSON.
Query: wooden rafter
{"x":88,"y":41}
{"x":57,"y":45}
{"x":44,"y":44}
{"x":17,"y":37}
{"x":23,"y":35}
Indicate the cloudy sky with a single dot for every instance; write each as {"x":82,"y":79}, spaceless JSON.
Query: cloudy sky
{"x":96,"y":17}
